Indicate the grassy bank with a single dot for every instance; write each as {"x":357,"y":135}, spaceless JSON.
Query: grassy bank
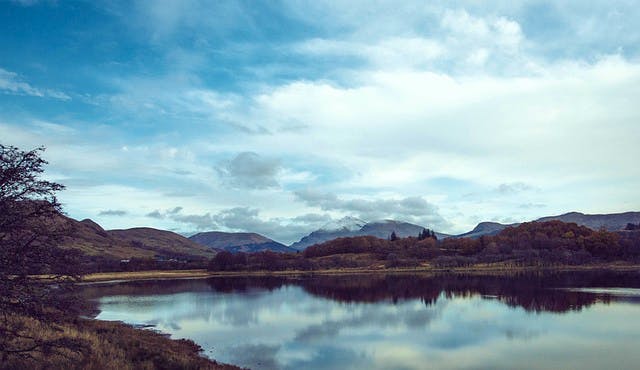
{"x":144,"y":275}
{"x":489,"y":268}
{"x":92,"y":344}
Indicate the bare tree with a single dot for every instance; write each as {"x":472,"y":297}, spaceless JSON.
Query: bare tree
{"x":36,"y":277}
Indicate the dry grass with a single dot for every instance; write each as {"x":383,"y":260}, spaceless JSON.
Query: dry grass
{"x":142,"y":275}
{"x":494,"y":268}
{"x":91,"y":344}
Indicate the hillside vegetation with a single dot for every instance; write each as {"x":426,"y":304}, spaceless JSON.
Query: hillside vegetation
{"x":100,"y":345}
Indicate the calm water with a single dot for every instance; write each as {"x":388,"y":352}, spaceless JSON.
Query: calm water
{"x":586,"y":321}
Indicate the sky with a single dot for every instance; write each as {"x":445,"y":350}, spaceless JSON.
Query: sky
{"x":278,"y":117}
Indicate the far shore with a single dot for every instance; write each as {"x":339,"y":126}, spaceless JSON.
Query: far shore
{"x":115,"y":277}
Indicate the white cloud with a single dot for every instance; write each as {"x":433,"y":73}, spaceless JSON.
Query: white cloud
{"x":10,"y":83}
{"x":249,"y":170}
{"x":393,"y":52}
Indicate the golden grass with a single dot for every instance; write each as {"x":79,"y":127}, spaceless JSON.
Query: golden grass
{"x":141,"y":275}
{"x":104,"y":345}
{"x":480,"y":268}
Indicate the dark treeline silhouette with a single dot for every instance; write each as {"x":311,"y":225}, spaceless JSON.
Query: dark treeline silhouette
{"x":426,"y":233}
{"x":631,"y":227}
{"x":533,"y":293}
{"x":544,"y":244}
{"x":91,"y":264}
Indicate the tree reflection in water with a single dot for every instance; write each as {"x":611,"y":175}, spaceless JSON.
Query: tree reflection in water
{"x":381,"y":321}
{"x":533,"y":292}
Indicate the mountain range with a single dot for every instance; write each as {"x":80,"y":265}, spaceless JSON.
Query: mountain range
{"x":143,"y":242}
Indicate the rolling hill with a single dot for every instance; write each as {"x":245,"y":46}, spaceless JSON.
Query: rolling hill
{"x":91,"y":239}
{"x":610,"y":222}
{"x":239,"y":242}
{"x":484,"y":228}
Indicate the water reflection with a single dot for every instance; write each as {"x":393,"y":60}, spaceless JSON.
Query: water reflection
{"x":394,"y":321}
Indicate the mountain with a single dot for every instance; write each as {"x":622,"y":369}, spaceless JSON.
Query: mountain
{"x":350,"y":226}
{"x":610,"y":222}
{"x":239,"y":242}
{"x":347,"y":226}
{"x":91,"y":239}
{"x":485,"y":228}
{"x":382,"y":229}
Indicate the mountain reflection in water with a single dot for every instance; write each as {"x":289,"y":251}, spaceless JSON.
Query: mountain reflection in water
{"x":561,"y":320}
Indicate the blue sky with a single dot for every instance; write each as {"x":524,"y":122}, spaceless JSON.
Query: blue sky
{"x":278,"y":117}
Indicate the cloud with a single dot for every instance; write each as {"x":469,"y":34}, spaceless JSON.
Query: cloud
{"x":164,"y":214}
{"x":200,"y":222}
{"x":11,"y":84}
{"x":112,"y":212}
{"x":249,"y":170}
{"x":415,"y":209}
{"x":457,"y":41}
{"x":155,"y":214}
{"x":390,"y":52}
{"x":513,"y":188}
{"x":246,"y":219}
{"x":311,"y":218}
{"x":532,"y":205}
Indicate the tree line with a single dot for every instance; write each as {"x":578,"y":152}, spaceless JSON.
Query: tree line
{"x":545,"y":244}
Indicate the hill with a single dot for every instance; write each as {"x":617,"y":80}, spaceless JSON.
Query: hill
{"x":92,"y":240}
{"x":485,"y":228}
{"x":610,"y":222}
{"x":239,"y":242}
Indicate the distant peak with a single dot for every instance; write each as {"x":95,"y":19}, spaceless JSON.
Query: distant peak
{"x":386,"y":221}
{"x":574,"y":213}
{"x":487,"y":225}
{"x":89,"y":222}
{"x":345,"y":223}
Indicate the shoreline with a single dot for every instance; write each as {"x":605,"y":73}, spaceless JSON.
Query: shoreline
{"x":126,"y":276}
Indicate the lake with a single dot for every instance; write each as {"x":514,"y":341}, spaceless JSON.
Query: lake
{"x":552,"y":321}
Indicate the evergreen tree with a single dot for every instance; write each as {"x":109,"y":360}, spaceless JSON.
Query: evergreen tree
{"x":393,"y":237}
{"x":423,"y":234}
